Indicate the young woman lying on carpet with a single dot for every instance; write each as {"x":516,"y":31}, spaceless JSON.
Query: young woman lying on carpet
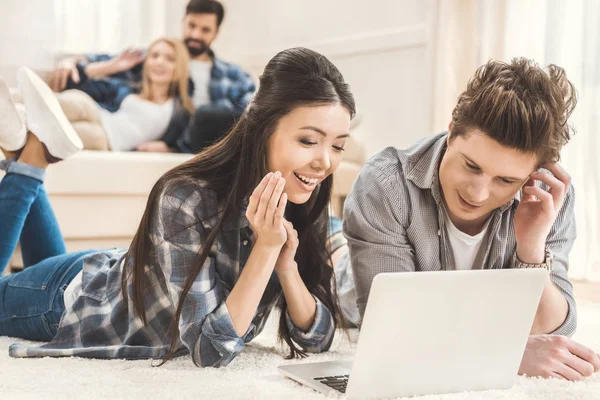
{"x":225,"y":237}
{"x":158,"y":113}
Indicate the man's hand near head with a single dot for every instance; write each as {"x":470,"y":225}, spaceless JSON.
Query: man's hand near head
{"x":67,"y":68}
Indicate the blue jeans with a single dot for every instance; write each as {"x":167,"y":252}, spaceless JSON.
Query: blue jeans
{"x":32,"y":301}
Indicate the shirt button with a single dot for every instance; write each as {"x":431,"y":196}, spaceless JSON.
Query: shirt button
{"x":220,"y":354}
{"x":245,"y":242}
{"x":260,"y":315}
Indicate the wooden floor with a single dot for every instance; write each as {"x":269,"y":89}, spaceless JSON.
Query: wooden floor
{"x":588,"y":292}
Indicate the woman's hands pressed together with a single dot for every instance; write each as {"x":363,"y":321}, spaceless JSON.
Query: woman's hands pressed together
{"x":286,"y":263}
{"x":265,"y":213}
{"x":266,"y":209}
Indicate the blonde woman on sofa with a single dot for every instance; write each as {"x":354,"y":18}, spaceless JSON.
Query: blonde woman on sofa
{"x":149,"y":119}
{"x":226,"y":237}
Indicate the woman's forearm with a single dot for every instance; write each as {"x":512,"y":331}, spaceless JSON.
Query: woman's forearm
{"x":301,"y":304}
{"x":244,"y":298}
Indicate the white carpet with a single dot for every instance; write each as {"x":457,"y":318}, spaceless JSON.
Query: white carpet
{"x":252,"y":375}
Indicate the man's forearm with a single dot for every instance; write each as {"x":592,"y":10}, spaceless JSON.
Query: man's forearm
{"x":552,"y":310}
{"x":101,"y":69}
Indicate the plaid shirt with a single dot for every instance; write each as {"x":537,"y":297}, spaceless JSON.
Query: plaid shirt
{"x":229,"y":86}
{"x":100,"y":323}
{"x":394,"y":220}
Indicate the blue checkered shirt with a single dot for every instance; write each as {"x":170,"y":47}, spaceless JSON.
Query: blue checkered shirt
{"x":101,"y":324}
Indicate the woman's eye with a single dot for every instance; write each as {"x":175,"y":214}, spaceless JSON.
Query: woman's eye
{"x":338,"y":148}
{"x":307,"y":142}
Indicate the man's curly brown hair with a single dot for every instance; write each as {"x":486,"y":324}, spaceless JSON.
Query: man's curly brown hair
{"x":520,"y":105}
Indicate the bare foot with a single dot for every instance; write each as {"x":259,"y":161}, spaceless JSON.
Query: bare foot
{"x":8,"y":154}
{"x":33,"y":153}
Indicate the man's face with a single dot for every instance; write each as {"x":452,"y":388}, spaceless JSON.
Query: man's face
{"x":199,"y":31}
{"x":478,"y":174}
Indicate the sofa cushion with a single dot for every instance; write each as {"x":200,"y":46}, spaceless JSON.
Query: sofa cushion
{"x":110,"y":173}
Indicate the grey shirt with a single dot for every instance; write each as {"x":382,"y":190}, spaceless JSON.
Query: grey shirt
{"x":394,"y":220}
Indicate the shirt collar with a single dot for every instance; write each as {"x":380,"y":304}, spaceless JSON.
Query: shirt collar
{"x":423,"y":166}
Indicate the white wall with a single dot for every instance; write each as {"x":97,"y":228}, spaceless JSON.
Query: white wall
{"x":384,"y":49}
{"x":27,"y":35}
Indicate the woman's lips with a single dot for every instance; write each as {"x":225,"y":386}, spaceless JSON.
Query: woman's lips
{"x":305,"y":186}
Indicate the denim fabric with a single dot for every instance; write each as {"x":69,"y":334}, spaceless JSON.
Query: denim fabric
{"x":208,"y":124}
{"x":32,"y":301}
{"x":26,"y":215}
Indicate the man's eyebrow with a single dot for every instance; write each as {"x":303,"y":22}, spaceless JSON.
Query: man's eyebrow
{"x":510,"y":178}
{"x":470,"y":161}
{"x":322,"y":132}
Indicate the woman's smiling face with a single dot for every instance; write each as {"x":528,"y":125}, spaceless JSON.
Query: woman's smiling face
{"x":307,"y":146}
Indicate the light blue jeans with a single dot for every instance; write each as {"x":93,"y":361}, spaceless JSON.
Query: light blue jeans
{"x":32,"y":301}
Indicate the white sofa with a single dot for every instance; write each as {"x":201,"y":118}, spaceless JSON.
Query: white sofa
{"x":99,"y":197}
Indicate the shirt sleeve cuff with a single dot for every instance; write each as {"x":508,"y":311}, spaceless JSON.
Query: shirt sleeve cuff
{"x":219,"y":342}
{"x":320,"y":335}
{"x":569,"y":326}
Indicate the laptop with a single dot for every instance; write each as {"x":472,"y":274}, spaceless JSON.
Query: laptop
{"x":433,"y":333}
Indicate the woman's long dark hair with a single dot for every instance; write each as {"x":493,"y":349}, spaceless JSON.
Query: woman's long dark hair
{"x":234,"y":166}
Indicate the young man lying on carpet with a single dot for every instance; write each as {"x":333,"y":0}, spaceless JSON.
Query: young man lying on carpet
{"x":487,"y":194}
{"x":219,"y":244}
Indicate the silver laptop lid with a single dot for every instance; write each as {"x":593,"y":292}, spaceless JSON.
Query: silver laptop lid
{"x":443,"y":332}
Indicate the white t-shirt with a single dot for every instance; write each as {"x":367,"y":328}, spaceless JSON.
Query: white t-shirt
{"x":464,"y":247}
{"x":73,"y":290}
{"x":200,"y":74}
{"x":137,"y":121}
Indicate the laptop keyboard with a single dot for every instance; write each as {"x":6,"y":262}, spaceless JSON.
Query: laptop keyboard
{"x":338,"y":382}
